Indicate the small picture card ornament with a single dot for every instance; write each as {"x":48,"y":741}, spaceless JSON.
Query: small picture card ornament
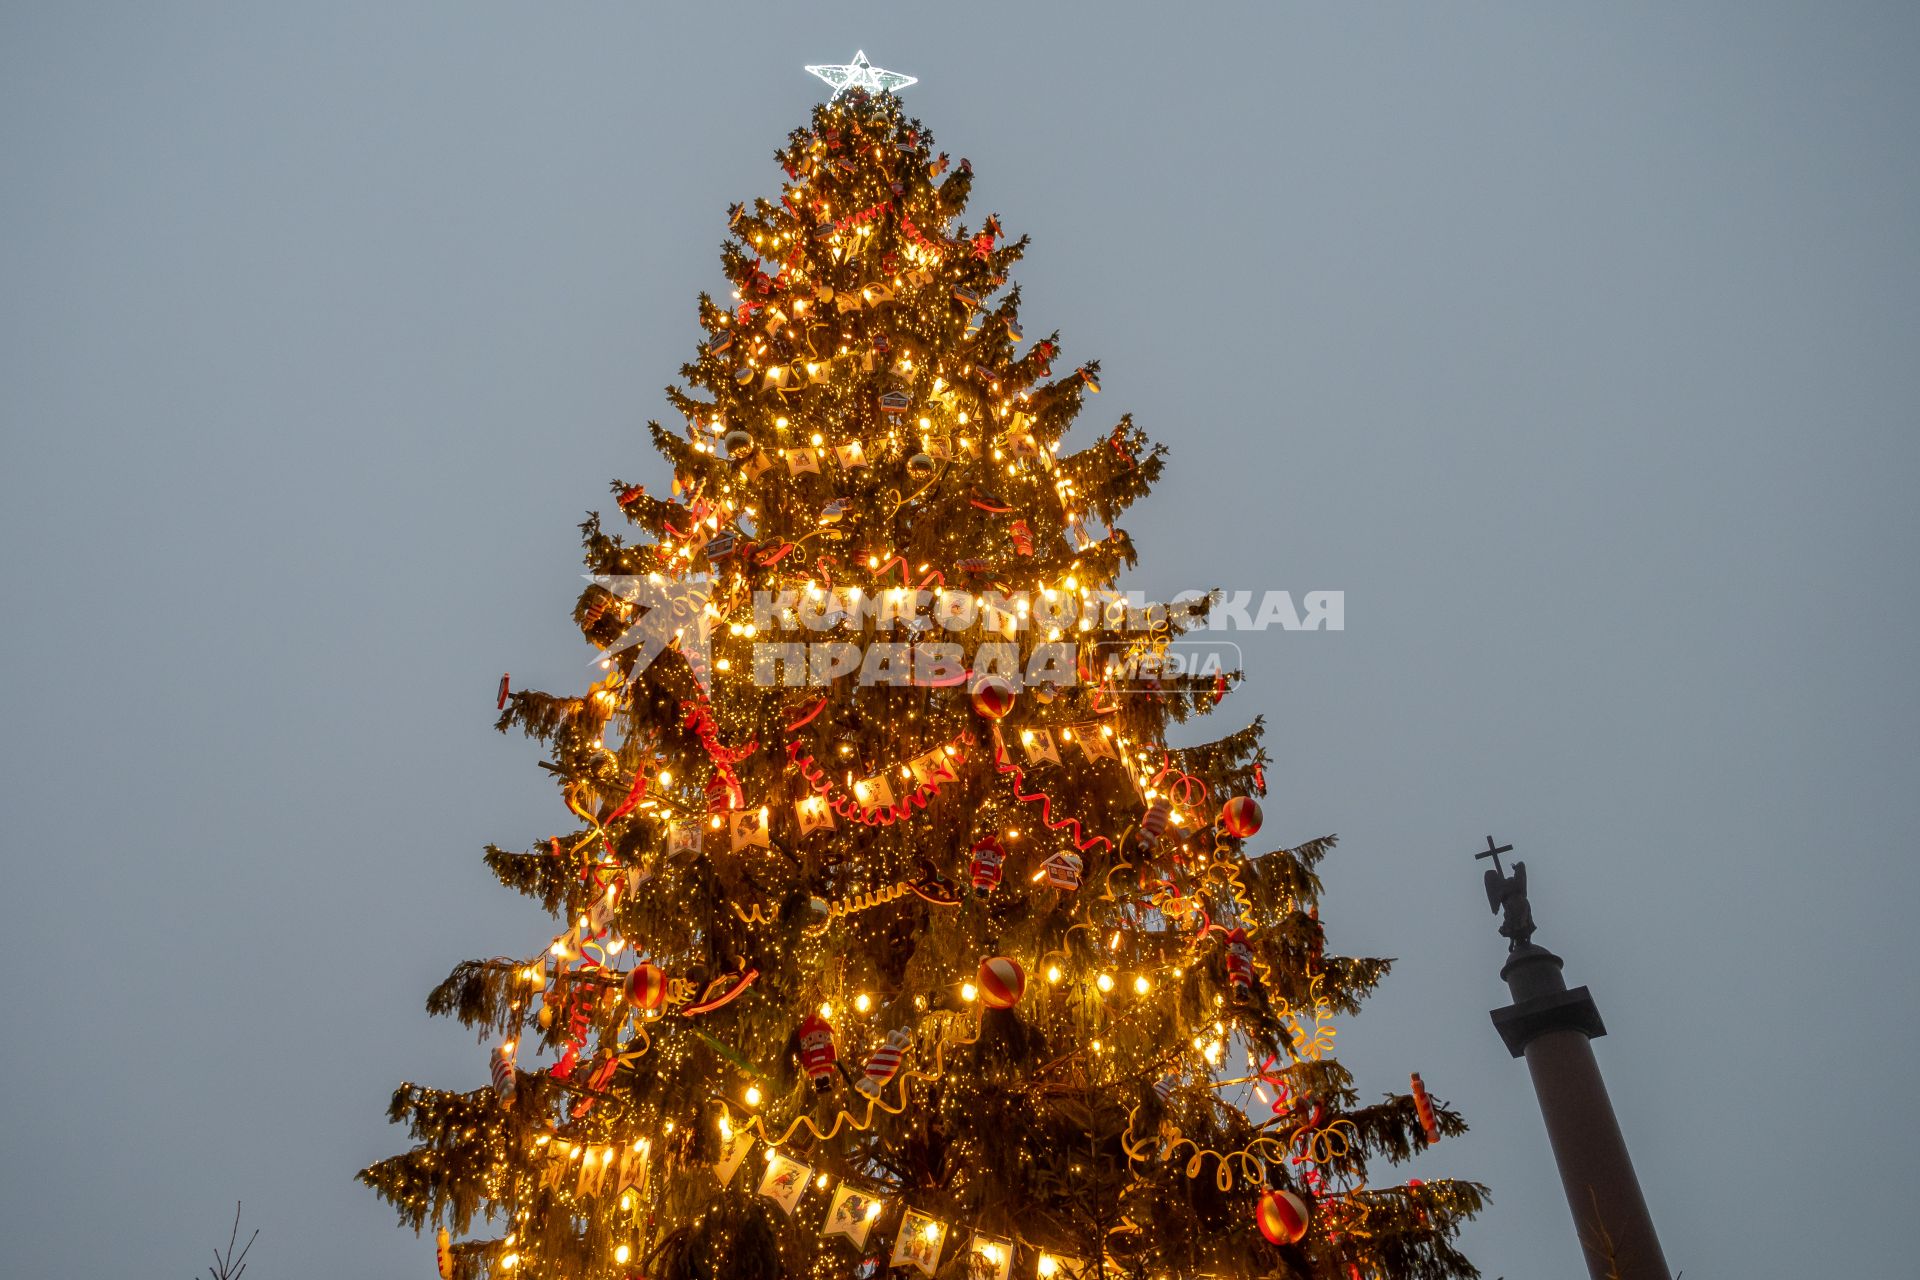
{"x":802,"y":461}
{"x":778,"y":377}
{"x":732,"y":1155}
{"x":875,"y":792}
{"x":757,"y":465}
{"x":722,"y":544}
{"x":784,"y":1180}
{"x":895,"y":400}
{"x":884,"y":1063}
{"x":989,"y":1258}
{"x":1060,"y":1266}
{"x":593,"y":1170}
{"x":748,"y":828}
{"x":919,"y":1243}
{"x":932,"y":769}
{"x":1040,"y":746}
{"x":1062,"y":871}
{"x":813,"y":814}
{"x":556,"y":1164}
{"x":852,"y":1213}
{"x":835,"y":510}
{"x":1095,"y":745}
{"x":632,"y":1173}
{"x":684,"y":838}
{"x":938,"y":448}
{"x":850,"y":455}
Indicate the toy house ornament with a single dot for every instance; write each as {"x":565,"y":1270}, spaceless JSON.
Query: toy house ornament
{"x":1062,"y":871}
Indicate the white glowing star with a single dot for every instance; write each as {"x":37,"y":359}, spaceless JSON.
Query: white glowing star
{"x":861,"y":74}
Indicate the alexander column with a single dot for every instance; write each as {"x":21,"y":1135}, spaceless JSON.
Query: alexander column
{"x":1550,"y":1027}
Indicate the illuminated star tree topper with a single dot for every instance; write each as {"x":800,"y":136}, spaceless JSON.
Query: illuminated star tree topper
{"x":861,"y":74}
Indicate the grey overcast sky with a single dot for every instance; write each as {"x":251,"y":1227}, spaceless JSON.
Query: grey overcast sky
{"x":1578,"y":344}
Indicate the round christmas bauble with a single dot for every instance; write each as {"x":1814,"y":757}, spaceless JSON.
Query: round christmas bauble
{"x":647,"y":987}
{"x":1282,"y":1217}
{"x":738,"y":444}
{"x":993,"y":698}
{"x":1002,"y":982}
{"x":921,"y":465}
{"x":1240,"y":816}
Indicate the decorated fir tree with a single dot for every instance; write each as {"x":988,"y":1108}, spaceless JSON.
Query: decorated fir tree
{"x":892,"y":932}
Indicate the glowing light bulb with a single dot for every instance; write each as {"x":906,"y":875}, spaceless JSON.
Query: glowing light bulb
{"x":1048,"y":1267}
{"x":826,"y":1010}
{"x":1104,"y":982}
{"x":622,"y":1253}
{"x":1141,"y":986}
{"x":753,"y":1095}
{"x":1053,"y":973}
{"x":968,"y":991}
{"x":862,"y":1003}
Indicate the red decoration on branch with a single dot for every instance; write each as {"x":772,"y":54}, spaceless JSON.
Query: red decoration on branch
{"x":1005,"y":765}
{"x":500,"y":703}
{"x":725,"y":784}
{"x":850,"y":808}
{"x":1429,"y":1126}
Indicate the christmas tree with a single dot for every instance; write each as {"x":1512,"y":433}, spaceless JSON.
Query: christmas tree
{"x":893,"y":934}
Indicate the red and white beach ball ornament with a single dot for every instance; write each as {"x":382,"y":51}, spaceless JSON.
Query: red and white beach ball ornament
{"x":1240,"y":816}
{"x":1282,"y":1217}
{"x":1002,"y":982}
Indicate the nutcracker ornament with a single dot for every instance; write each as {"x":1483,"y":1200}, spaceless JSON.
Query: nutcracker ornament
{"x":817,"y":1052}
{"x":986,"y":865}
{"x":885,"y":1062}
{"x":1240,"y":966}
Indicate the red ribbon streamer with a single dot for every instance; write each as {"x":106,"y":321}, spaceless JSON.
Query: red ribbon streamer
{"x":1072,"y":825}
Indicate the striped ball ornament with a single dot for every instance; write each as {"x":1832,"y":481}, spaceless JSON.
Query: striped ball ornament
{"x":647,"y":987}
{"x":1282,"y":1216}
{"x":1002,"y":982}
{"x":1241,"y":816}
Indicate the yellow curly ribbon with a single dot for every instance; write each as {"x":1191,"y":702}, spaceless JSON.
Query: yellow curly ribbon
{"x":875,"y":1102}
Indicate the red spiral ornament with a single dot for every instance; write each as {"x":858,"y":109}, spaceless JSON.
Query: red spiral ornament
{"x":1018,"y":776}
